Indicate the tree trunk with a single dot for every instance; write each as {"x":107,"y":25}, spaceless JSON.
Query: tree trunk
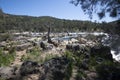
{"x":49,"y":39}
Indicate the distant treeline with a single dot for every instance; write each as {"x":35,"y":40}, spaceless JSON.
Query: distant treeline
{"x":41,"y":24}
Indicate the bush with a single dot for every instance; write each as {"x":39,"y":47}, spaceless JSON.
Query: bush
{"x":31,"y":55}
{"x":48,"y":57}
{"x":36,"y":55}
{"x":80,"y":75}
{"x":69,"y":70}
{"x":6,"y":59}
{"x":108,"y":70}
{"x":69,"y":56}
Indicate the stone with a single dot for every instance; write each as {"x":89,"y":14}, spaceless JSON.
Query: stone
{"x":73,"y":47}
{"x":21,"y":47}
{"x":76,"y":47}
{"x":55,"y":69}
{"x":29,"y":67}
{"x":46,"y":46}
{"x":7,"y":72}
{"x":43,"y":45}
{"x":85,"y":64}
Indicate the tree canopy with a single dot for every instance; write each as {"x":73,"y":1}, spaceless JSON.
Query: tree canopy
{"x":101,"y":7}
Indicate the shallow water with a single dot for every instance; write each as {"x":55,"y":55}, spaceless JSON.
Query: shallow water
{"x":116,"y":57}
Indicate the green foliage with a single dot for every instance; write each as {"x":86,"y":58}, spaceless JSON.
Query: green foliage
{"x":105,"y":68}
{"x":23,"y":58}
{"x":80,"y":75}
{"x":2,"y":79}
{"x":92,"y":63}
{"x":36,"y":55}
{"x":69,"y":70}
{"x":48,"y":57}
{"x":6,"y":58}
{"x":27,"y":23}
{"x":100,"y":7}
{"x":40,"y":24}
{"x":70,"y":57}
{"x":32,"y":55}
{"x":108,"y":70}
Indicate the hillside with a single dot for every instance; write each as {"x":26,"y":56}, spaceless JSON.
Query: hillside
{"x":39,"y":24}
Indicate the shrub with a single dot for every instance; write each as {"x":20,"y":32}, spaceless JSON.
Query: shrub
{"x":32,"y":55}
{"x":6,"y":58}
{"x":36,"y":55}
{"x":69,"y":70}
{"x":69,"y":55}
{"x":108,"y":70}
{"x":48,"y":57}
{"x":80,"y":75}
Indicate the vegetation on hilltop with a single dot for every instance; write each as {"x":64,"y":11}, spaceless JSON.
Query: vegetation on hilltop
{"x":10,"y":22}
{"x":28,"y":23}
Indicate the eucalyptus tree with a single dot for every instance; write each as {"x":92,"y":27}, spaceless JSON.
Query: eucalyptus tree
{"x":101,"y":7}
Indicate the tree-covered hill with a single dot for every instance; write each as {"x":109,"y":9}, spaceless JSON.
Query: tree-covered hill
{"x":28,"y":23}
{"x":41,"y":24}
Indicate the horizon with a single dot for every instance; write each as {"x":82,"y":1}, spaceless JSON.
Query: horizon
{"x":62,"y":9}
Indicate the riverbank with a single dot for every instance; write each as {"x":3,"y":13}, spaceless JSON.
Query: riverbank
{"x":36,"y":58}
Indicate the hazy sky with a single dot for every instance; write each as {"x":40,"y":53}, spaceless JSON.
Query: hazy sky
{"x":56,"y":8}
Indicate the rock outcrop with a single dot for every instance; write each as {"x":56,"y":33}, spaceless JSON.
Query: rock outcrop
{"x":8,"y":72}
{"x":55,"y":69}
{"x":29,"y":67}
{"x":46,"y":46}
{"x":74,"y":47}
{"x":22,"y":47}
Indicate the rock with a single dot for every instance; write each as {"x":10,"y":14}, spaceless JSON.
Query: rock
{"x":23,"y":46}
{"x":85,"y":64}
{"x":55,"y":43}
{"x":46,"y":46}
{"x":101,"y":51}
{"x":29,"y":67}
{"x":7,"y":72}
{"x":90,"y":43}
{"x":87,"y":55}
{"x":50,"y":47}
{"x":76,"y":47}
{"x":99,"y":60}
{"x":73,"y":47}
{"x":29,"y":50}
{"x":55,"y":69}
{"x":82,"y":40}
{"x":3,"y":44}
{"x":43,"y":45}
{"x":91,"y":75}
{"x":74,"y":40}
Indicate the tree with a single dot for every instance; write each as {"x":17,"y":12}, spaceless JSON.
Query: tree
{"x":49,"y":39}
{"x":101,"y":7}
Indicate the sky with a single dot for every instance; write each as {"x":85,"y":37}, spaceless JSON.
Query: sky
{"x":62,"y":9}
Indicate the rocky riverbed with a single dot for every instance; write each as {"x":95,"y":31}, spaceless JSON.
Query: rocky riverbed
{"x":73,"y":56}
